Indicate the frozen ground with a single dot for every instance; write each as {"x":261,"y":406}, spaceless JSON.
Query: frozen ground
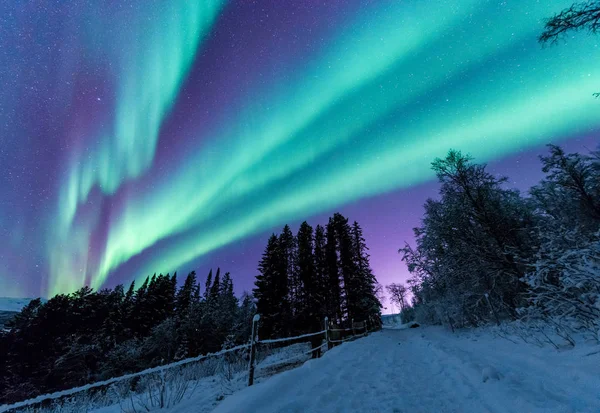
{"x":430,"y":370}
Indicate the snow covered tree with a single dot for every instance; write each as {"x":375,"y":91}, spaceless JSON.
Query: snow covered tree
{"x":473,"y":248}
{"x":564,"y":285}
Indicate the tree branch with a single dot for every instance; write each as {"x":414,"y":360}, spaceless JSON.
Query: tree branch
{"x":580,"y":16}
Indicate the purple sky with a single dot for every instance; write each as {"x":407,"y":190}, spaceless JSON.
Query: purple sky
{"x":148,"y":136}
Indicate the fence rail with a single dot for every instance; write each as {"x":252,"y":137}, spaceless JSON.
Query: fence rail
{"x":251,"y":346}
{"x":284,"y":339}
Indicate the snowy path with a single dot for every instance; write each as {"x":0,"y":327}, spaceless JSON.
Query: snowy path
{"x":430,"y":370}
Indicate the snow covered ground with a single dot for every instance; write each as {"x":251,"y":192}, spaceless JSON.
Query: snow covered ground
{"x":409,"y":370}
{"x":430,"y":370}
{"x":391,"y":319}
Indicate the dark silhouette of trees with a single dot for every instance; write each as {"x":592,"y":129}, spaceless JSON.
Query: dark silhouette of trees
{"x":327,"y":273}
{"x":86,"y":336}
{"x":271,"y":290}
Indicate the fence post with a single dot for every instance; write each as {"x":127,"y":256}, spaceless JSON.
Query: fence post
{"x":352,"y":326}
{"x":327,"y":332}
{"x":253,"y":349}
{"x":365,"y":330}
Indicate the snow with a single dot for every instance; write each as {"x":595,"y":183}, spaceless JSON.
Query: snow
{"x":126,"y":377}
{"x":391,"y":319}
{"x":431,"y":370}
{"x":401,"y":370}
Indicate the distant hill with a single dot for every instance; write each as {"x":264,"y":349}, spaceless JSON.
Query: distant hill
{"x":10,"y":306}
{"x":14,"y":304}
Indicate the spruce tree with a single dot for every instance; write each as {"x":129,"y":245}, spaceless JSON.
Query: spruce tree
{"x":350,"y":284}
{"x":215,"y":289}
{"x":332,"y":275}
{"x":271,"y":291}
{"x":306,"y":297}
{"x":208,"y":284}
{"x":227,"y":308}
{"x":368,"y":305}
{"x":289,"y":278}
{"x":246,"y":313}
{"x":320,"y":266}
{"x":184,"y":297}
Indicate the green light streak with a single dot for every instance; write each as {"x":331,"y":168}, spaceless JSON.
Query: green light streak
{"x":153,"y":48}
{"x":380,"y":44}
{"x":366,"y":116}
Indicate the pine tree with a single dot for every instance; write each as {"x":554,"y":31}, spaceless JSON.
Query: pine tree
{"x":368,"y":305}
{"x":350,"y":285}
{"x":332,"y":275}
{"x":306,"y":296}
{"x":292,"y":284}
{"x":246,"y":313}
{"x":320,"y":266}
{"x":271,"y":290}
{"x":184,"y":297}
{"x":208,"y":284}
{"x":227,"y":308}
{"x":215,"y":289}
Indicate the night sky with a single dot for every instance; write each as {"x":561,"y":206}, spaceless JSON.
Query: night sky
{"x":152,"y":136}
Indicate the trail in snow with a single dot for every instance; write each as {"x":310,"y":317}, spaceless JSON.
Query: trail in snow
{"x":428,"y":370}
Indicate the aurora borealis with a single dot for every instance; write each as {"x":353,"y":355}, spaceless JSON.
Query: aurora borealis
{"x":160,"y":135}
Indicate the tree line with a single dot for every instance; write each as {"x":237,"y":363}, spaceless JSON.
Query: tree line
{"x":87,"y":336}
{"x":487,"y":253}
{"x":315,"y":274}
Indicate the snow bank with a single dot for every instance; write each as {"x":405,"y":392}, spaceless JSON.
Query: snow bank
{"x":421,"y":370}
{"x":431,"y":370}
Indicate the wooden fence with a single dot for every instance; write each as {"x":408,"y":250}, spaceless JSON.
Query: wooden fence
{"x":330,"y":336}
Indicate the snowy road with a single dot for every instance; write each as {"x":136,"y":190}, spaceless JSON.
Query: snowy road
{"x":431,"y":370}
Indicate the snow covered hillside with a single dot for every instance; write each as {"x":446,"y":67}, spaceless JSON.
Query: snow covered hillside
{"x":429,"y":370}
{"x":13,"y":304}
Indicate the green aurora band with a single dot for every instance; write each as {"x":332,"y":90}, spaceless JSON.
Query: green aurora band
{"x":395,"y":88}
{"x":162,"y":43}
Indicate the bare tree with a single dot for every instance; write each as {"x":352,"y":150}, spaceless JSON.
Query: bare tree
{"x":580,"y":16}
{"x":398,"y":294}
